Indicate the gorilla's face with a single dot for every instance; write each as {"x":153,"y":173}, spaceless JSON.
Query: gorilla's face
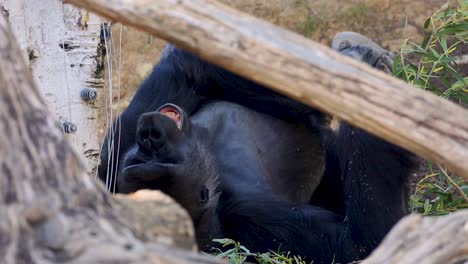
{"x":168,"y":158}
{"x":161,"y":151}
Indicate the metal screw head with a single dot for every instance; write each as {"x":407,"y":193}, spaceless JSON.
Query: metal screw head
{"x":88,"y":94}
{"x":69,"y":127}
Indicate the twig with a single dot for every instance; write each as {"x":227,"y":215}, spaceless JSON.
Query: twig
{"x":460,"y":190}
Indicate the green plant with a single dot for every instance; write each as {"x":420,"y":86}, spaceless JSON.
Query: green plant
{"x":439,"y":193}
{"x":238,"y":254}
{"x":431,"y":64}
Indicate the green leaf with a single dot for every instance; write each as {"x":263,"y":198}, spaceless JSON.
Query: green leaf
{"x":465,"y":189}
{"x":463,"y":3}
{"x":427,"y":206}
{"x":443,"y":43}
{"x":434,"y":53}
{"x":460,"y":84}
{"x":425,"y":42}
{"x":455,"y":73}
{"x":454,"y":29}
{"x":244,"y":249}
{"x":226,"y":253}
{"x":448,"y":59}
{"x":224,"y":241}
{"x":447,"y":10}
{"x":427,"y":23}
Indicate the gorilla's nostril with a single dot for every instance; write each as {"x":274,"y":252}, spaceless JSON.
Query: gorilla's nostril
{"x":150,"y":134}
{"x":145,"y":134}
{"x":155,"y":134}
{"x":150,"y":139}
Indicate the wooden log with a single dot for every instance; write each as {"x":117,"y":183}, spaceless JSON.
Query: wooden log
{"x":157,"y":217}
{"x":50,"y":209}
{"x":421,"y":122}
{"x":428,"y":240}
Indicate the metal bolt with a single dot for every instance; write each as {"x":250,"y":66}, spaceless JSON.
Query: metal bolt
{"x":69,"y":127}
{"x":88,"y":94}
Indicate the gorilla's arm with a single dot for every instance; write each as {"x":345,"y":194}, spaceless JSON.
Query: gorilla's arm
{"x":373,"y":174}
{"x":375,"y":177}
{"x":263,"y":222}
{"x":360,"y":48}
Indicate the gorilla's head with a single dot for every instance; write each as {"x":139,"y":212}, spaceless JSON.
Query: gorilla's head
{"x":169,"y":158}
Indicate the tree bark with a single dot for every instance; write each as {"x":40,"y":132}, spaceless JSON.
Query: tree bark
{"x":61,"y":44}
{"x":428,"y":240}
{"x":419,"y":121}
{"x":50,"y":209}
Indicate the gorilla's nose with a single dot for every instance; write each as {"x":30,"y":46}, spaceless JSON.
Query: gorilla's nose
{"x":149,"y":138}
{"x":151,"y":132}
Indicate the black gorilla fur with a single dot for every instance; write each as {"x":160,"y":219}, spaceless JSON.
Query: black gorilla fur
{"x":257,"y":167}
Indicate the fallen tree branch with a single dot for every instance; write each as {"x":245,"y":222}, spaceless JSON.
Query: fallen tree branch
{"x":428,"y":240}
{"x":419,"y":121}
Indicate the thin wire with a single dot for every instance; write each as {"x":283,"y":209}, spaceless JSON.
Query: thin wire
{"x":115,"y":156}
{"x":104,"y":103}
{"x":110,"y":143}
{"x":119,"y":65}
{"x":65,"y":67}
{"x":66,"y":74}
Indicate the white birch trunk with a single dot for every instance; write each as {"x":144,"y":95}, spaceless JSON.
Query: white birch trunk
{"x":61,"y":43}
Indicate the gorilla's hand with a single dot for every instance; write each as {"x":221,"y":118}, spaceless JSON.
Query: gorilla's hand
{"x":363,"y":49}
{"x":385,"y":62}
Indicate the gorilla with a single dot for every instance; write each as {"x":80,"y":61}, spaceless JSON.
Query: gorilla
{"x":252,"y":165}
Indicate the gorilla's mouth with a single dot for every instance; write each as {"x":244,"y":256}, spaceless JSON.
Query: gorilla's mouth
{"x":147,"y":171}
{"x":137,"y":160}
{"x":173,"y":113}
